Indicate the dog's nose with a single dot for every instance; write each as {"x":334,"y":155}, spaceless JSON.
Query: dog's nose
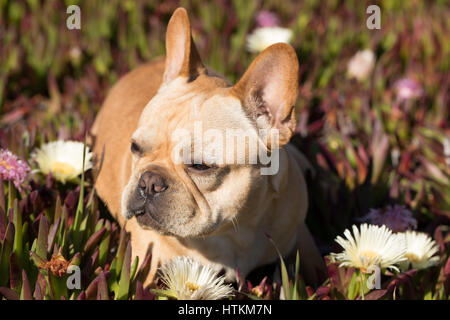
{"x":152,"y":183}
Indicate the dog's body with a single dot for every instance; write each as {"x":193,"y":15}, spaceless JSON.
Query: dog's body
{"x":218,"y":213}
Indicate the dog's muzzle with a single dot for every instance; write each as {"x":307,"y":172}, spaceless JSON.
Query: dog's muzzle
{"x":150,"y":185}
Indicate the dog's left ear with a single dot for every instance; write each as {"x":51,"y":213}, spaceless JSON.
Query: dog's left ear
{"x":269,"y":88}
{"x":182,"y":58}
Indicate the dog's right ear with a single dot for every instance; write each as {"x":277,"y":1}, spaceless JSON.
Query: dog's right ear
{"x":182,"y":58}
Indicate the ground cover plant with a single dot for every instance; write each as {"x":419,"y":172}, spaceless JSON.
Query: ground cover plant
{"x":373,"y":120}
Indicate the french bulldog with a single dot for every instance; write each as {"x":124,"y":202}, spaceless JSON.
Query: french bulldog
{"x":204,"y":203}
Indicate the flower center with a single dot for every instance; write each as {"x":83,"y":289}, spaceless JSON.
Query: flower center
{"x":192,"y":286}
{"x":368,"y":258}
{"x":62,"y":168}
{"x":257,"y":292}
{"x":6,"y":165}
{"x":412,"y":257}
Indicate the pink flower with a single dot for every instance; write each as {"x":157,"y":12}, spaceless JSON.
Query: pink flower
{"x":12,"y":169}
{"x":408,"y":88}
{"x":397,"y":218}
{"x":266,"y":18}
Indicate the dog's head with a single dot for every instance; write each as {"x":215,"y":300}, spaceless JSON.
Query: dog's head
{"x":196,"y":154}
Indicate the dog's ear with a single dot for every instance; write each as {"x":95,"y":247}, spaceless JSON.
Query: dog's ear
{"x":269,"y":88}
{"x":182,"y":58}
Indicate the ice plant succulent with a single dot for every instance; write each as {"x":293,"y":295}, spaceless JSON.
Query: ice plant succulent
{"x":264,"y":37}
{"x":397,"y":218}
{"x":187,"y":279}
{"x":371,"y":246}
{"x":12,"y":168}
{"x":361,"y":64}
{"x":420,"y":250}
{"x":63,"y":159}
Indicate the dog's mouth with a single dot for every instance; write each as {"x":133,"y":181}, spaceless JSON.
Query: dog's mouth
{"x":138,"y":212}
{"x":148,"y":219}
{"x":150,"y":216}
{"x":145,"y":215}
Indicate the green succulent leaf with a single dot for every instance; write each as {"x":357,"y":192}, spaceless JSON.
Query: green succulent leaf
{"x":124,"y":282}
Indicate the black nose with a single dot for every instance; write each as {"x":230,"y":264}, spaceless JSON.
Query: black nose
{"x":152,"y":183}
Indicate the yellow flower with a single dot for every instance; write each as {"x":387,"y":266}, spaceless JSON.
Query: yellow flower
{"x":63,"y":159}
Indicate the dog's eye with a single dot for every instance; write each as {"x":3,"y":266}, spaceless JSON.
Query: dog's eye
{"x":135,"y":148}
{"x":199,"y":167}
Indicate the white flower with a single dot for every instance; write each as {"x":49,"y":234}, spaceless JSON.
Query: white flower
{"x":420,"y":250}
{"x":264,"y":37}
{"x":373,"y":246}
{"x":446,"y":144}
{"x":63,"y":159}
{"x":361,"y":64}
{"x":187,"y":279}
